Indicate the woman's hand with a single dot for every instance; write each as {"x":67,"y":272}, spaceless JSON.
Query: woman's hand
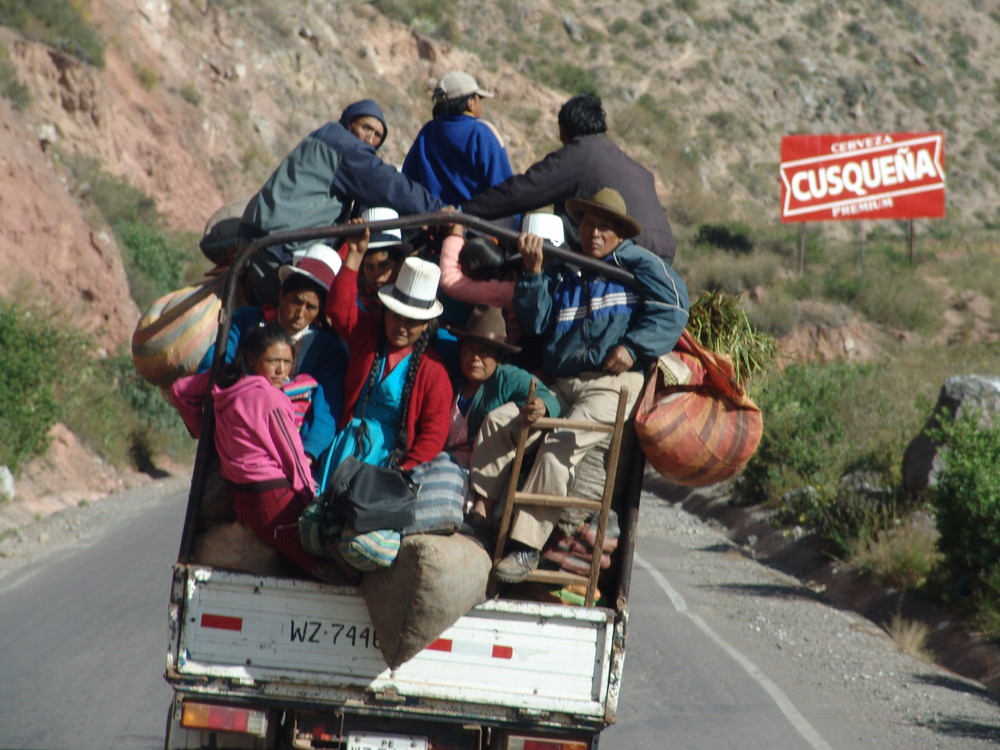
{"x":532,"y":411}
{"x":357,"y":246}
{"x":530,"y":247}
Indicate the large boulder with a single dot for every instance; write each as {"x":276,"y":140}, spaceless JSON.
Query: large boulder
{"x":960,"y":395}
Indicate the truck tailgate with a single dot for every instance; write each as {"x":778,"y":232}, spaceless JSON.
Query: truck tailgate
{"x":306,"y":640}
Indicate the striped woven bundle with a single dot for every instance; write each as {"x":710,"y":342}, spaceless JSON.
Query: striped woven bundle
{"x":702,"y":432}
{"x":176,"y":331}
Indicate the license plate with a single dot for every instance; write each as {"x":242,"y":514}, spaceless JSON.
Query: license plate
{"x":368,"y":741}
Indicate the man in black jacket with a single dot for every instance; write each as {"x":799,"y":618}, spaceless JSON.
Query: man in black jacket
{"x":587,"y":161}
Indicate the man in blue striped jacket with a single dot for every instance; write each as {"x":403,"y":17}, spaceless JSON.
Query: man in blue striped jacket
{"x":599,"y":335}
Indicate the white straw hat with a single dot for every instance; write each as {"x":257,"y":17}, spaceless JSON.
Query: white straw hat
{"x":414,"y":293}
{"x":547,"y":226}
{"x":383,"y":237}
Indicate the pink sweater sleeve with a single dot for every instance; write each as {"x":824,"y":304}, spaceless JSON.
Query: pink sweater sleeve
{"x":188,"y":396}
{"x":458,"y":286}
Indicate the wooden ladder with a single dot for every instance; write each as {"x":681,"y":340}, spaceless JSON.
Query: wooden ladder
{"x":515,"y":497}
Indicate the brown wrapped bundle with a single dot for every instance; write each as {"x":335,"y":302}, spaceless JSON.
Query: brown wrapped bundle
{"x":433,"y":581}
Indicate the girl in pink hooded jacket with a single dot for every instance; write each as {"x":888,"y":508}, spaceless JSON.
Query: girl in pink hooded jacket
{"x":260,"y":451}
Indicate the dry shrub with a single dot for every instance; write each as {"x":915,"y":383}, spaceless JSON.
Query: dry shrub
{"x":707,"y":269}
{"x":910,"y":637}
{"x":903,"y":556}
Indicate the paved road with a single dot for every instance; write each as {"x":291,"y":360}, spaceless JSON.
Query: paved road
{"x":722,"y":652}
{"x":85,"y":638}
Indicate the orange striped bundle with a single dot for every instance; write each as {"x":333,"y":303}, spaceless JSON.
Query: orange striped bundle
{"x":172,"y":337}
{"x":701,"y":432}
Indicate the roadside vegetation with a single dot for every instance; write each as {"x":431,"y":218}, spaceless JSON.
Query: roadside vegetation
{"x":59,"y":23}
{"x":829,"y":462}
{"x":51,"y":373}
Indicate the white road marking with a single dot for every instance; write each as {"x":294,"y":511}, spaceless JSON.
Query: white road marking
{"x":785,"y":705}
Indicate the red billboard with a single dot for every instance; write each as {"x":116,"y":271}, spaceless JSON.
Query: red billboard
{"x":868,"y":176}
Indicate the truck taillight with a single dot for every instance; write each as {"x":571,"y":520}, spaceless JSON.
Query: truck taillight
{"x":539,"y":743}
{"x":223,"y":718}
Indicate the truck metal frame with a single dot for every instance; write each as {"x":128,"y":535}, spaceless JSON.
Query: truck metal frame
{"x":269,"y":662}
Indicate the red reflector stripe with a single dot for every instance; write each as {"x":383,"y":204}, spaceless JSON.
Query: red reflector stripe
{"x":503,"y":652}
{"x":222,"y":622}
{"x":441,"y":644}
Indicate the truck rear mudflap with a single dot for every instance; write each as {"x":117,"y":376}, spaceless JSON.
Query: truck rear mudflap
{"x":281,"y":639}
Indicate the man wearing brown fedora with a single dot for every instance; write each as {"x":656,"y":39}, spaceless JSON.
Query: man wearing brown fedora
{"x":599,"y":337}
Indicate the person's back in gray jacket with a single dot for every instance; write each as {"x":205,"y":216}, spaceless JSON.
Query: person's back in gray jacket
{"x":330,"y":176}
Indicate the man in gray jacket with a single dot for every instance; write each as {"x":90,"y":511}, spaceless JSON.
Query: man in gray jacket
{"x":331,"y":176}
{"x":587,"y":161}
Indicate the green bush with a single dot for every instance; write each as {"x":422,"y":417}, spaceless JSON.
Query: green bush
{"x":731,"y":236}
{"x":115,"y":199}
{"x":820,"y":463}
{"x":30,"y":372}
{"x":151,"y":261}
{"x":966,"y":499}
{"x":48,"y":374}
{"x":803,"y":442}
{"x":11,"y":88}
{"x":156,"y":261}
{"x":563,"y":75}
{"x":58,"y":23}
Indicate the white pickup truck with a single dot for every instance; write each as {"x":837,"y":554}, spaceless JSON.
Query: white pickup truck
{"x":275,"y":662}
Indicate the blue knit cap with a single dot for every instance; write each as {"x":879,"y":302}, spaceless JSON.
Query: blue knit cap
{"x":364,"y":108}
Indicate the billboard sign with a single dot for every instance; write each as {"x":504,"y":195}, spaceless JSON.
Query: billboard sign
{"x":868,"y":176}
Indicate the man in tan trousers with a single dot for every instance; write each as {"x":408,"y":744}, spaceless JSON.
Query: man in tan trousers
{"x":599,"y":335}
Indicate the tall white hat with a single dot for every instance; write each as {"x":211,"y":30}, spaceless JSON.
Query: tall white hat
{"x":414,"y":293}
{"x":383,"y":237}
{"x":547,"y":226}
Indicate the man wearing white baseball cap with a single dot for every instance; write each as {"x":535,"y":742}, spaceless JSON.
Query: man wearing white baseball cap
{"x":457,"y":155}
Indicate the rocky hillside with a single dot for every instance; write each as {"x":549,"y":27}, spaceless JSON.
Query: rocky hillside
{"x":197,"y":100}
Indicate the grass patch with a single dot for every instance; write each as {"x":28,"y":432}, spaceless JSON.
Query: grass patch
{"x":910,"y":637}
{"x":732,"y":274}
{"x":49,"y":374}
{"x":58,"y":23}
{"x":156,"y":261}
{"x":905,"y":555}
{"x":11,"y":87}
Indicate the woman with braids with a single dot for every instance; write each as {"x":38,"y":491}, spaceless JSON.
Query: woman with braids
{"x":397,"y":390}
{"x":260,"y":451}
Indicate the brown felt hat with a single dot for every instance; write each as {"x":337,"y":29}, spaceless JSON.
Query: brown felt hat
{"x":486,"y":325}
{"x":606,"y":202}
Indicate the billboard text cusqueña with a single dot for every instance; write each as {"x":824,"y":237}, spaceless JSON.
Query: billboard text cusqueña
{"x":862,"y":176}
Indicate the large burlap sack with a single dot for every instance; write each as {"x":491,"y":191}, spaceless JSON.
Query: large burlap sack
{"x":172,"y":337}
{"x":434,"y":580}
{"x":232,"y":546}
{"x":701,"y":431}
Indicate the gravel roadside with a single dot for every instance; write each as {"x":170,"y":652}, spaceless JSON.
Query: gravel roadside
{"x":899,"y":701}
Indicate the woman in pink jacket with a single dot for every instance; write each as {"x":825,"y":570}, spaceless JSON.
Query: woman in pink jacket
{"x":260,"y":451}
